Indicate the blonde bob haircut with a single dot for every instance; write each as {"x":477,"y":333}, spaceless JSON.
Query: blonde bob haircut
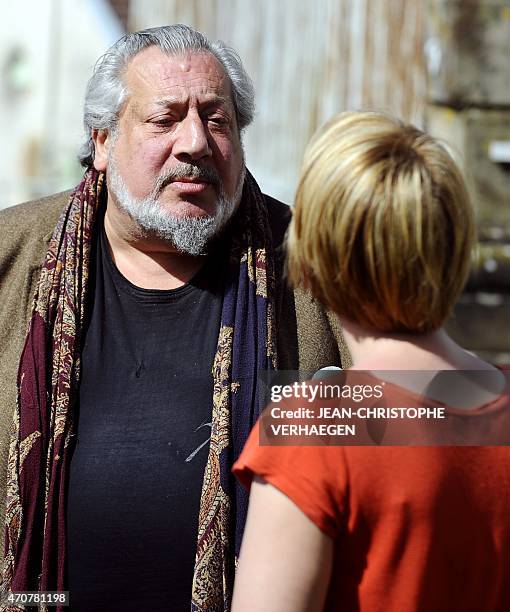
{"x":383,"y":227}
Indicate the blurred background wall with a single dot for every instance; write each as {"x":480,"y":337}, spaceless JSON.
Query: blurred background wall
{"x":47,"y":50}
{"x":308,"y":61}
{"x":468,"y":105}
{"x":442,"y":64}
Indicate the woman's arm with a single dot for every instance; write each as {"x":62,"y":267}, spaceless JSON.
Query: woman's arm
{"x":285,"y":561}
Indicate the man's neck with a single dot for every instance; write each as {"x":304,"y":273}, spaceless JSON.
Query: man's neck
{"x":147,"y":262}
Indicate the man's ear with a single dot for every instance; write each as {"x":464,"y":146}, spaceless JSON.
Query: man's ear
{"x":100,"y":138}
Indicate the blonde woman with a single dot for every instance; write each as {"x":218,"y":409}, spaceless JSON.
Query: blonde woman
{"x":382,"y":234}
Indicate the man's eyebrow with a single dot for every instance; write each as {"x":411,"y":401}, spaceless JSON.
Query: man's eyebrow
{"x":213,"y":100}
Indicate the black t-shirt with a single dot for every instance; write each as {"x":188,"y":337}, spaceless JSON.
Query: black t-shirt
{"x":144,"y":415}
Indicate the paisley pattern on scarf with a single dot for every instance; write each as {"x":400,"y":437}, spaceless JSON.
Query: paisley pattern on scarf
{"x":48,"y":376}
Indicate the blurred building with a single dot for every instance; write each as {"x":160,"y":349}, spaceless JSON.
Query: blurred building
{"x":468,"y":50}
{"x":46,"y":55}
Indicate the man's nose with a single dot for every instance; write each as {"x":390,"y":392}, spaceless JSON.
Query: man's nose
{"x":191,"y":138}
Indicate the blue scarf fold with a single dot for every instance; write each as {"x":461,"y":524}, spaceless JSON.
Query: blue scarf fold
{"x":246,"y":347}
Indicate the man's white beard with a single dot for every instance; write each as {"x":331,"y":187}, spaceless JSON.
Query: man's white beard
{"x":188,"y":234}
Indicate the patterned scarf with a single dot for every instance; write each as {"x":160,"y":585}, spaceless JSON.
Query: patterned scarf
{"x":48,"y":379}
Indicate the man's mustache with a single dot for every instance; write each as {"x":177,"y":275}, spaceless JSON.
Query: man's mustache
{"x":187,"y":171}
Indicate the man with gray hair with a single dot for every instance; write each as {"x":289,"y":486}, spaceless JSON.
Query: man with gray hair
{"x":139,"y":309}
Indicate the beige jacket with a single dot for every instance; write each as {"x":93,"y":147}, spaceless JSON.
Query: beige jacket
{"x":308,"y":339}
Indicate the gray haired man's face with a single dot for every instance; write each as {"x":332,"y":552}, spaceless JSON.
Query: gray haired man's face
{"x":175,"y":163}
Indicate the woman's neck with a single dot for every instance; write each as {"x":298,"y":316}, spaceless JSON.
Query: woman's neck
{"x":423,"y":357}
{"x":371,"y":350}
